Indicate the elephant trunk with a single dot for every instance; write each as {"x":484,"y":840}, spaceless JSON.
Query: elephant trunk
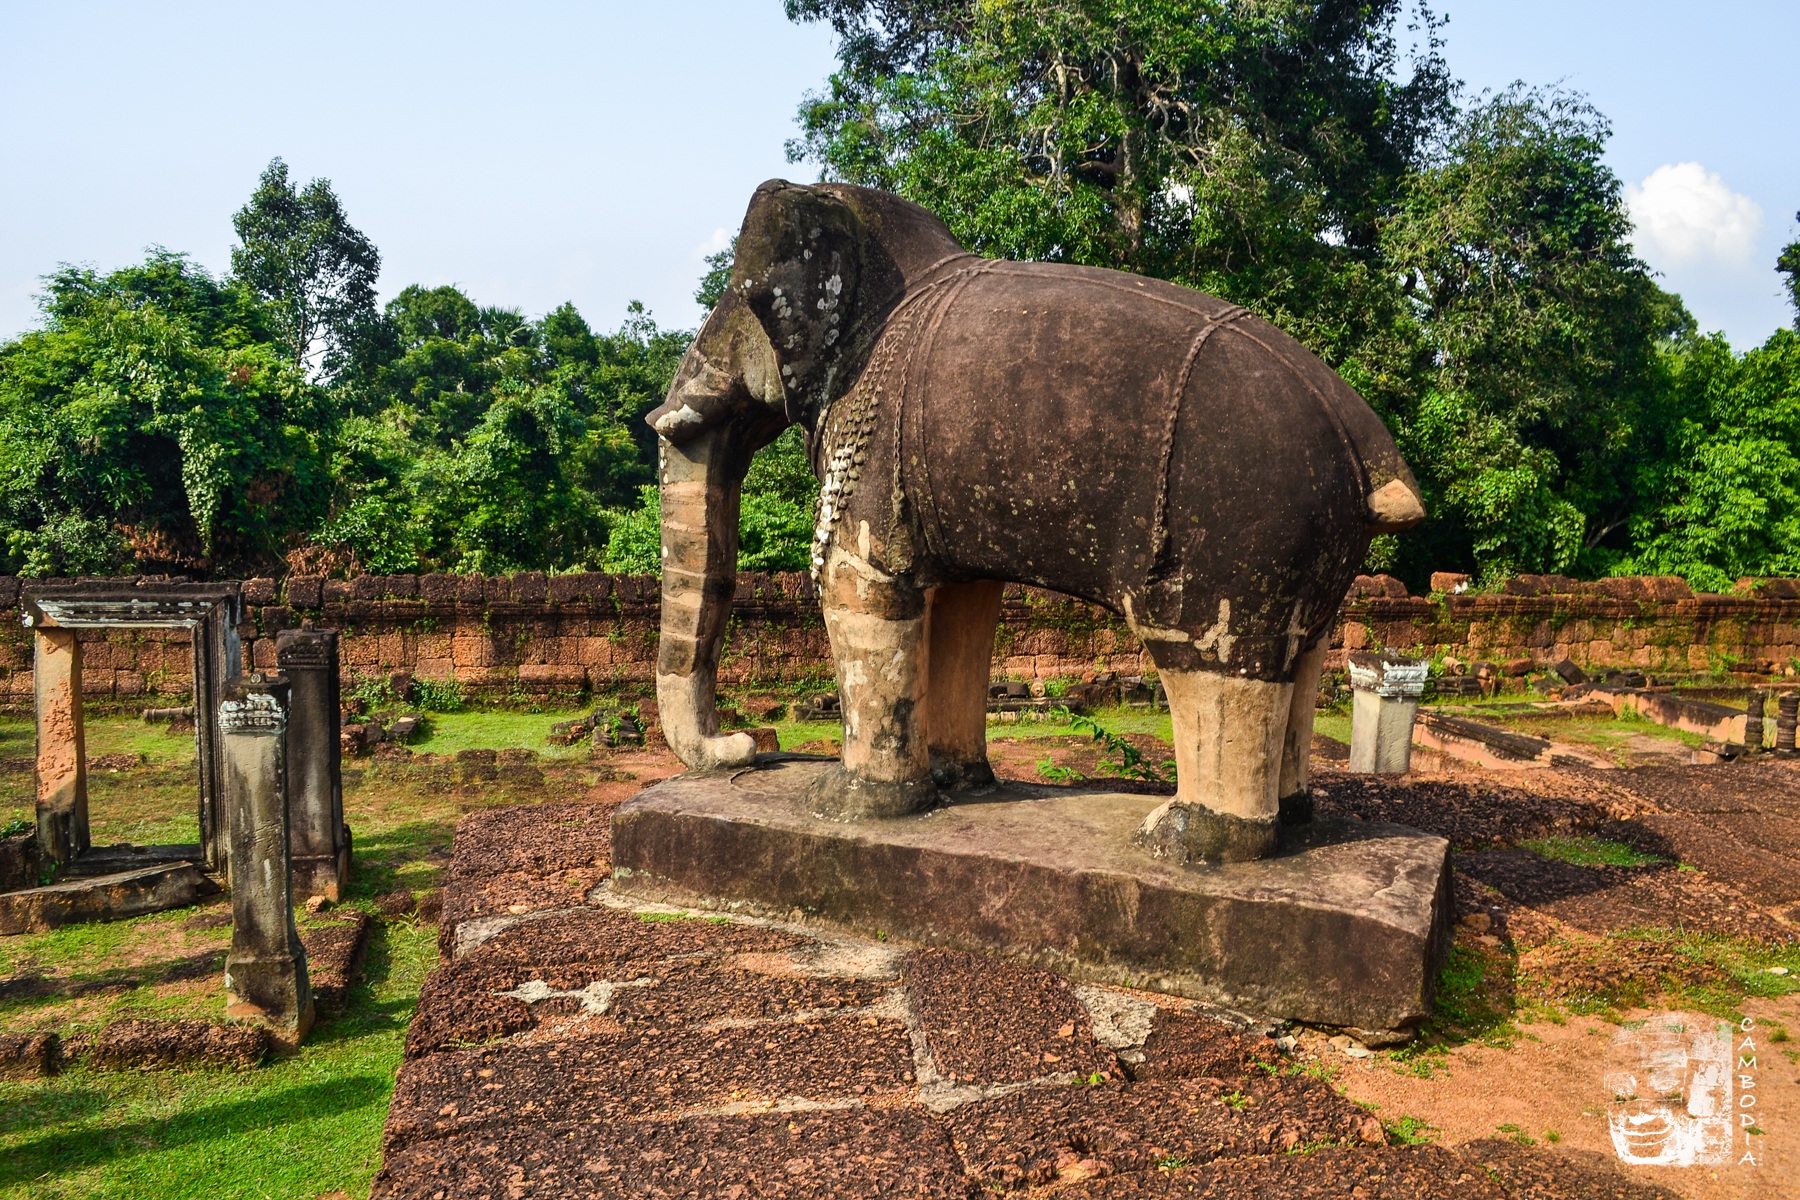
{"x":701,"y":482}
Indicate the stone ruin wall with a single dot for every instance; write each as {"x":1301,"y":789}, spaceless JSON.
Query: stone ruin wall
{"x":529,"y":635}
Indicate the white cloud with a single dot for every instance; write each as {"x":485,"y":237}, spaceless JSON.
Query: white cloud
{"x":720,"y":239}
{"x":1685,"y":214}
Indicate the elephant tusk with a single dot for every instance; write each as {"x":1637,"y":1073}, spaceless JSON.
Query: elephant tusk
{"x":1393,"y":507}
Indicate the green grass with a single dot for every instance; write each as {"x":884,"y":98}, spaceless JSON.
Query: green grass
{"x":1411,"y":1131}
{"x":1516,"y":1134}
{"x":295,"y":1128}
{"x":1333,"y":723}
{"x":153,"y":804}
{"x":1589,"y":851}
{"x":800,"y":733}
{"x":1601,"y":733}
{"x":1118,"y":720}
{"x":119,"y":734}
{"x":1466,"y":1008}
{"x":476,"y":729}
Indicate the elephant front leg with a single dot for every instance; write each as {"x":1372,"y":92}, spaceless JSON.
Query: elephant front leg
{"x":876,"y":623}
{"x":960,"y":631}
{"x":1228,"y":754}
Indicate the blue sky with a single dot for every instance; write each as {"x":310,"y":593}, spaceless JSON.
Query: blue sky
{"x":535,"y":152}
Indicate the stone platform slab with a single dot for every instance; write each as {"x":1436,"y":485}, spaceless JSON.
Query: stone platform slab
{"x":103,"y":897}
{"x":1346,"y":926}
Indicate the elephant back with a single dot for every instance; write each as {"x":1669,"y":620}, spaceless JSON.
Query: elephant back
{"x":1139,"y":444}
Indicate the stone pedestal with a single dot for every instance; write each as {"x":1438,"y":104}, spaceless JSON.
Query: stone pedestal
{"x":1386,"y":690}
{"x":1787,"y":707}
{"x":62,"y":799}
{"x":320,"y":842}
{"x":1346,"y":925}
{"x":265,"y":972}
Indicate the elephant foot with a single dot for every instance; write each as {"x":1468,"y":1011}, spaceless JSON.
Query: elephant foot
{"x":838,"y":795}
{"x":961,"y":776}
{"x":1297,"y":809}
{"x":1193,"y":833}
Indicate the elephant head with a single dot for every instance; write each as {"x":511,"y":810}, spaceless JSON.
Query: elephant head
{"x":817,"y":270}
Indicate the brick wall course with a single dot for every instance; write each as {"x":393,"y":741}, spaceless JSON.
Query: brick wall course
{"x":529,"y":632}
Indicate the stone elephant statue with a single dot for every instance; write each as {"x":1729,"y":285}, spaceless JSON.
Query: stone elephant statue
{"x":975,"y":421}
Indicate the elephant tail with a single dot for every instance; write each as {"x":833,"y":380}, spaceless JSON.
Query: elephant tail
{"x":1392,"y":501}
{"x":1394,"y":506}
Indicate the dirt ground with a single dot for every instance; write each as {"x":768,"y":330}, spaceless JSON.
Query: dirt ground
{"x":1552,"y":1078}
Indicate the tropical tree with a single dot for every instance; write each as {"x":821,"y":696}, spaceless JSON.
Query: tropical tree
{"x":1522,"y":373}
{"x":1724,"y":501}
{"x":1246,"y":150}
{"x":298,"y":251}
{"x":155,"y":422}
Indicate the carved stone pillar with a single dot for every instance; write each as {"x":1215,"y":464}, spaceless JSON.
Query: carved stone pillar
{"x":1753,"y":722}
{"x":62,"y":799}
{"x":265,"y":972}
{"x":308,"y":659}
{"x":1787,"y":706}
{"x":1385,"y":691}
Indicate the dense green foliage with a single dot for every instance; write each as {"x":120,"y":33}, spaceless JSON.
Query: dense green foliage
{"x":157,"y":417}
{"x":166,"y":420}
{"x":1723,"y":501}
{"x":1464,"y":263}
{"x":299,"y":252}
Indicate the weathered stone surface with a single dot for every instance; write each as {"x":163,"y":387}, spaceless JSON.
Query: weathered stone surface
{"x":135,"y":1044}
{"x":319,"y":840}
{"x":19,"y":861}
{"x":1474,"y":741}
{"x":988,"y":1021}
{"x":334,"y":958}
{"x":100,"y":898}
{"x":62,"y":800}
{"x":842,"y":1154}
{"x":1386,"y":698}
{"x":29,"y":1055}
{"x":1345,"y":926}
{"x":265,"y":973}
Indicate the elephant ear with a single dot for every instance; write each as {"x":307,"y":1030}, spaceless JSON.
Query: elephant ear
{"x":727,"y":370}
{"x":799,"y":261}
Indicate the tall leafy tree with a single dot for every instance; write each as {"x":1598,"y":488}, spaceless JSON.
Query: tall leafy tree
{"x":718,"y":275}
{"x":491,"y":442}
{"x":1522,"y":374}
{"x":298,"y":250}
{"x":1249,"y":150}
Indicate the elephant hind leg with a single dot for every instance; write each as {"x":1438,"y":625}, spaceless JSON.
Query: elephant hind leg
{"x":959,"y":622}
{"x":1296,"y":746}
{"x":1228,"y":755}
{"x":876,"y":623}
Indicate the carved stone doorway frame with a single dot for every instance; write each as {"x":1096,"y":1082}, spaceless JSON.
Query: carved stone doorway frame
{"x":54,"y":610}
